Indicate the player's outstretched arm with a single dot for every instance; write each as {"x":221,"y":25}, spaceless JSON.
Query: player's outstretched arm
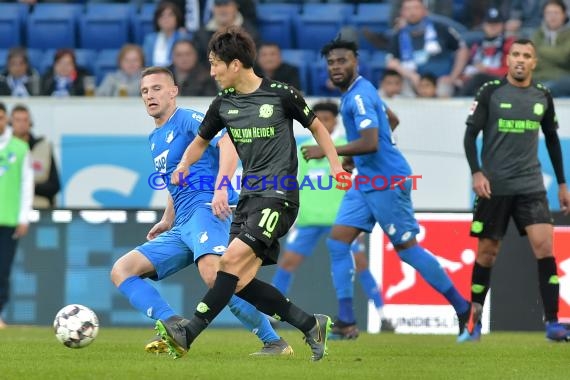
{"x":192,"y":154}
{"x":228,"y":166}
{"x":324,"y":140}
{"x":165,"y":223}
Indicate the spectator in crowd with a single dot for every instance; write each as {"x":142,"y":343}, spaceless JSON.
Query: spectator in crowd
{"x":270,"y":65}
{"x":46,"y":177}
{"x":64,"y":78}
{"x":247,"y":8}
{"x":19,"y":79}
{"x":440,"y":7}
{"x":488,"y":57}
{"x":525,"y":16}
{"x":390,"y":85}
{"x":16,"y":194}
{"x":427,"y":88}
{"x":552,"y":42}
{"x":191,"y":77}
{"x":225,"y":13}
{"x":424,"y":45}
{"x":126,"y":80}
{"x":169,"y":27}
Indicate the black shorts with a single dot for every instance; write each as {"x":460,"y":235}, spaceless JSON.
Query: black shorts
{"x":491,"y":216}
{"x":260,"y":222}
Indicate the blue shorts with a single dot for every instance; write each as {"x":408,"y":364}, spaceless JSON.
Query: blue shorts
{"x":302,"y":240}
{"x":392,"y":209}
{"x":185,"y":243}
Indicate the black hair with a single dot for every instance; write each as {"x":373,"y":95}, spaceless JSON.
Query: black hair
{"x":429,"y":77}
{"x":233,"y":43}
{"x":2,"y":107}
{"x":391,"y":72}
{"x":327,"y":106}
{"x":339,"y":43}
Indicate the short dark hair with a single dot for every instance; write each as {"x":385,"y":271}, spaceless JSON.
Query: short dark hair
{"x":430,"y":78}
{"x":524,"y":41}
{"x":2,"y":107}
{"x":157,"y":70}
{"x":339,"y":43}
{"x":233,"y":43}
{"x":390,"y":73}
{"x":161,"y":7}
{"x":327,"y":106}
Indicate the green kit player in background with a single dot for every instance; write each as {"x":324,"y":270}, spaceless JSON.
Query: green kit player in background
{"x":320,"y":201}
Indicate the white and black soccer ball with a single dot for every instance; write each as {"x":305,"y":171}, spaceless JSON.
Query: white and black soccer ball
{"x":76,"y":326}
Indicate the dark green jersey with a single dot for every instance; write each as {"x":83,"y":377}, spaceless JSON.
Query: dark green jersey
{"x":260,"y":125}
{"x":510,"y":118}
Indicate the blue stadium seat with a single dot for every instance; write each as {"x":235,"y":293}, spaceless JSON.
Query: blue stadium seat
{"x":3,"y":56}
{"x":339,"y":10}
{"x":301,"y":59}
{"x":103,"y":32}
{"x":10,"y":31}
{"x":314,"y":31}
{"x":35,"y":57}
{"x":373,"y":17}
{"x":46,"y":61}
{"x":105,"y":25}
{"x":278,"y":8}
{"x":376,"y":72}
{"x":53,"y":26}
{"x":106,"y":62}
{"x":86,"y":59}
{"x":142,"y":24}
{"x":147,"y":8}
{"x":276,"y":28}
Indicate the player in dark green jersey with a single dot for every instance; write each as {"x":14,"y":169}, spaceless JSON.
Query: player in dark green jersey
{"x":508,"y":182}
{"x":258,"y":114}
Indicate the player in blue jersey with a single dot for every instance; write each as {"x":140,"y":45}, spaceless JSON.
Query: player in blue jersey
{"x":376,"y":157}
{"x":195,"y":225}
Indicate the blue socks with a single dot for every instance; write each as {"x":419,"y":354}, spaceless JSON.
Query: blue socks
{"x":282,"y":280}
{"x":145,"y":298}
{"x":342,"y":268}
{"x":370,"y":287}
{"x":253,"y":319}
{"x":427,"y":265}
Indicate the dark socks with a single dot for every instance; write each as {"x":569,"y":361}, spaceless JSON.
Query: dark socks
{"x":212,"y":303}
{"x":549,"y":287}
{"x":270,"y":301}
{"x":480,"y":280}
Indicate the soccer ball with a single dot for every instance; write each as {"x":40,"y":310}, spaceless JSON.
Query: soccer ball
{"x":76,"y":326}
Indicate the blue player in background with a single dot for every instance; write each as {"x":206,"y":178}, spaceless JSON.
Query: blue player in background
{"x":370,"y":143}
{"x":196,"y":221}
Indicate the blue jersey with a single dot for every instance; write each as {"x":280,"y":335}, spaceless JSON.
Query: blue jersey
{"x":361,"y":108}
{"x":167,"y":145}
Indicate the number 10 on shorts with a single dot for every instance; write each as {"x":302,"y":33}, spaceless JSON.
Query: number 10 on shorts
{"x":268,"y":221}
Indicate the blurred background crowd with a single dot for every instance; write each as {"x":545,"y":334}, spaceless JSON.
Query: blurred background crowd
{"x":408,"y":48}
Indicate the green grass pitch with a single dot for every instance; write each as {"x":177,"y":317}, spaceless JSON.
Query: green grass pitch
{"x":34,"y":353}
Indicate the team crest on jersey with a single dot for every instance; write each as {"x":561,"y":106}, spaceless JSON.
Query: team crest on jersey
{"x":197,"y":117}
{"x":203,"y":237}
{"x":266,"y":111}
{"x":152,"y":146}
{"x":473,"y":107}
{"x":170,"y":137}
